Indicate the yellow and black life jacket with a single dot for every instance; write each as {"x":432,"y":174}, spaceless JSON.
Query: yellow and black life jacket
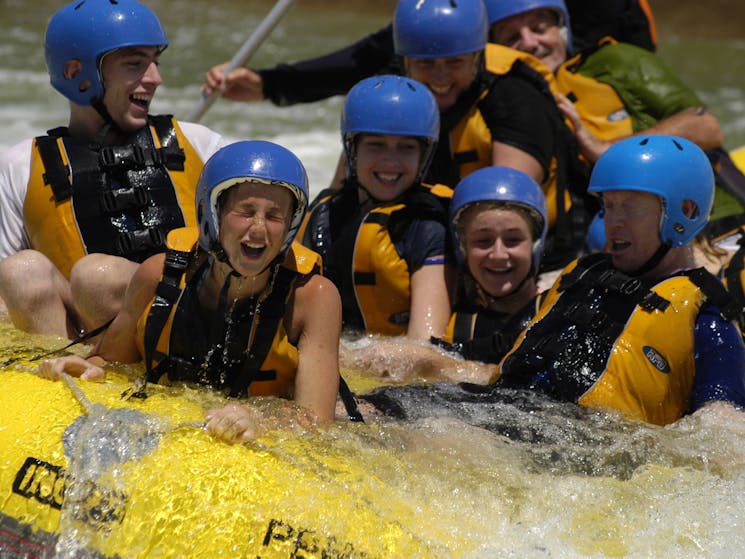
{"x":360,"y":256}
{"x":501,"y":60}
{"x":601,"y":108}
{"x":483,"y":335}
{"x":119,"y":200}
{"x":245,"y":349}
{"x":606,"y":340}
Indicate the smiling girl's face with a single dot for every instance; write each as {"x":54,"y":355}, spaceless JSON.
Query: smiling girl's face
{"x":498,"y":247}
{"x":386,"y":165}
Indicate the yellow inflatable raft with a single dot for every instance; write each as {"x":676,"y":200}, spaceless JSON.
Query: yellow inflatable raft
{"x":88,"y":471}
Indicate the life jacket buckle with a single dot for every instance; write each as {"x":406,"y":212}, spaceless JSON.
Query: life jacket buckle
{"x":631,"y":286}
{"x":122,"y":157}
{"x":114,"y":201}
{"x":135,"y":241}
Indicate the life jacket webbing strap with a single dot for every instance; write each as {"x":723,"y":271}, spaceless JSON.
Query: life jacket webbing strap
{"x":173,"y":156}
{"x":350,"y":404}
{"x":166,"y":294}
{"x":55,"y":171}
{"x":729,"y":307}
{"x":463,"y":326}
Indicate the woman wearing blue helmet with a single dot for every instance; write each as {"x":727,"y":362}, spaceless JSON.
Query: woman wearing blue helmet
{"x":485,"y":119}
{"x":383,"y":235}
{"x":499,"y":219}
{"x":83,"y":204}
{"x":235,"y":304}
{"x":639,"y":329}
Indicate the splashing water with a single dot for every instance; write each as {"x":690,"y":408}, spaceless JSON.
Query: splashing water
{"x":462,"y":475}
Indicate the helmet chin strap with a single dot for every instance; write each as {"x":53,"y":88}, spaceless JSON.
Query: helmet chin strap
{"x":109,"y":124}
{"x":654,"y":260}
{"x":488,"y":298}
{"x":370,"y":197}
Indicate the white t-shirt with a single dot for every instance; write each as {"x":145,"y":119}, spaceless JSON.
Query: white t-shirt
{"x":15,"y":168}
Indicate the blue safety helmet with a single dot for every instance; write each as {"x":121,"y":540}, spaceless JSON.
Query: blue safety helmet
{"x":498,"y":10}
{"x":439,"y":28}
{"x":255,"y":160}
{"x":595,"y":240}
{"x":390,"y":105}
{"x":86,"y":30}
{"x":670,"y":167}
{"x":500,"y":184}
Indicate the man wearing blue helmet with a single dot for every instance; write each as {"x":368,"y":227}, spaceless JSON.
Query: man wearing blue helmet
{"x":638,"y":329}
{"x":612,"y":90}
{"x":383,"y":235}
{"x":234,"y":304}
{"x":85,"y":203}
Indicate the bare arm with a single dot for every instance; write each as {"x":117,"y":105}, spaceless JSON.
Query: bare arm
{"x":696,"y":124}
{"x":510,"y":156}
{"x":430,"y":303}
{"x":404,"y":360}
{"x":316,"y":317}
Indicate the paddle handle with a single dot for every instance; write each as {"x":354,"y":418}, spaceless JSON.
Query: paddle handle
{"x":244,"y":53}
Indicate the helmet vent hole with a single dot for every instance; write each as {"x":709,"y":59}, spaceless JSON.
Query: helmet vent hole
{"x":689,"y":208}
{"x":678,"y":145}
{"x":644,"y":142}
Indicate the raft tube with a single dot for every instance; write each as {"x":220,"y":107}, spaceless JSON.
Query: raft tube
{"x":92,"y":473}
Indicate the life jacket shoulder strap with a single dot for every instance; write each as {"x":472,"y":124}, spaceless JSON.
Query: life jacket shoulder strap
{"x":55,"y":171}
{"x":180,"y":254}
{"x":575,"y":63}
{"x":729,"y":307}
{"x":582,"y":268}
{"x":171,"y":153}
